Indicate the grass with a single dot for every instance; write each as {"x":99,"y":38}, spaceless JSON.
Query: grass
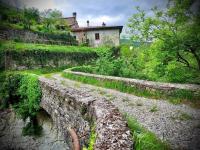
{"x":185,"y":116}
{"x":154,"y":108}
{"x":47,"y":71}
{"x":144,"y":139}
{"x":182,"y":117}
{"x":175,"y":97}
{"x":91,"y":140}
{"x":10,"y":45}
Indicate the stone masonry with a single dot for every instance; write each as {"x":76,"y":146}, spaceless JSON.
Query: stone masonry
{"x":71,"y":108}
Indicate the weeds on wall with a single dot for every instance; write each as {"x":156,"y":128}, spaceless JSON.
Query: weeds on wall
{"x":176,"y":96}
{"x":32,"y":56}
{"x":143,"y":138}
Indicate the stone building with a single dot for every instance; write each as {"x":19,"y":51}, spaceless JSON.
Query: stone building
{"x":95,"y":35}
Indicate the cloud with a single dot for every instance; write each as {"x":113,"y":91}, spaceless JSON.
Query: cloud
{"x":112,"y":12}
{"x":40,"y":4}
{"x":98,"y":20}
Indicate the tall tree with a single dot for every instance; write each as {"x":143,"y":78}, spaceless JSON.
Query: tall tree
{"x":178,"y":27}
{"x":51,"y":18}
{"x":31,"y":15}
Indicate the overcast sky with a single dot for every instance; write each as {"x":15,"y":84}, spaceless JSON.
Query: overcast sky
{"x":112,"y":12}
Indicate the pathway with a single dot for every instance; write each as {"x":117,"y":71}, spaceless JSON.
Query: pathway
{"x":179,"y":125}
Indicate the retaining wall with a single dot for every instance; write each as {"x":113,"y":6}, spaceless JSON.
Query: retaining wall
{"x":36,"y":37}
{"x":19,"y":60}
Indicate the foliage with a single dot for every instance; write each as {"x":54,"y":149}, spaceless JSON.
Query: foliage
{"x":30,"y":94}
{"x":52,"y":20}
{"x":144,"y":62}
{"x":86,"y":69}
{"x":31,"y":15}
{"x":8,"y":90}
{"x":28,"y":106}
{"x":143,"y":138}
{"x":9,"y":45}
{"x":48,"y":21}
{"x":177,"y":27}
{"x":41,"y":55}
{"x":91,"y":140}
{"x":23,"y":92}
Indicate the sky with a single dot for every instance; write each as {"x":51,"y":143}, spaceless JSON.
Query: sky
{"x":112,"y":12}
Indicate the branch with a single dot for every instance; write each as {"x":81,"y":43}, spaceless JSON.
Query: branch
{"x":184,"y":61}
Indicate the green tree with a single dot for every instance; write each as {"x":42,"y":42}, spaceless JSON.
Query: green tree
{"x":51,"y":18}
{"x":178,"y":27}
{"x":31,"y":16}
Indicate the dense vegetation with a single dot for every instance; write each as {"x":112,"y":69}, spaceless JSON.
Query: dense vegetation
{"x":47,"y":25}
{"x":47,"y":21}
{"x":169,"y":49}
{"x":10,"y":45}
{"x":23,"y":92}
{"x":144,"y":62}
{"x":32,"y":56}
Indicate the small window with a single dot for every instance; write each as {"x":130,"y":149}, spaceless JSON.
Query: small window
{"x":97,"y":36}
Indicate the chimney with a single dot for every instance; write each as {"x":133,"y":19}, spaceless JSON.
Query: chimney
{"x":103,"y":24}
{"x":88,"y":23}
{"x":74,"y":14}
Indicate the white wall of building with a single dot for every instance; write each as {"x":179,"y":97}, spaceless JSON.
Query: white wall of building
{"x":106,"y":37}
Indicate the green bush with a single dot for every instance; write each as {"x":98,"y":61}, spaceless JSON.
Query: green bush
{"x":9,"y":88}
{"x":30,"y":95}
{"x":24,"y":93}
{"x":28,"y":106}
{"x":148,"y":62}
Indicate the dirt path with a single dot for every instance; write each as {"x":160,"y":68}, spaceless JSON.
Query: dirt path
{"x":179,"y":125}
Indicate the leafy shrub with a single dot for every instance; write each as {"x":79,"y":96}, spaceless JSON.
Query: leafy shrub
{"x":9,"y":88}
{"x":30,"y":94}
{"x":28,"y":106}
{"x":148,"y":62}
{"x":87,"y":69}
{"x":24,"y":93}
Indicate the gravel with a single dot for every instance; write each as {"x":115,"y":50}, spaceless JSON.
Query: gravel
{"x":178,"y":125}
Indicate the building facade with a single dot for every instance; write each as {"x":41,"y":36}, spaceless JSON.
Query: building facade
{"x":95,"y":36}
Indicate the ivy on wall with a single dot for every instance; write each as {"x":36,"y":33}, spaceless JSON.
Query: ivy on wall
{"x":23,"y":92}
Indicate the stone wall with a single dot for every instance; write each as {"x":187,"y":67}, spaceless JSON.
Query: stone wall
{"x":144,"y":84}
{"x":34,"y":37}
{"x":71,"y":108}
{"x":11,"y":134}
{"x":19,"y":60}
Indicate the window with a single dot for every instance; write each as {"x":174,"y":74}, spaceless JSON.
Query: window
{"x":97,"y":36}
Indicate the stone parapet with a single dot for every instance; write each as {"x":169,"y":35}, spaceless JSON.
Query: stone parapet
{"x":72,"y":108}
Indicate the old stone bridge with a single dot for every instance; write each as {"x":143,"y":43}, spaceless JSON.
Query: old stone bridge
{"x":75,"y":113}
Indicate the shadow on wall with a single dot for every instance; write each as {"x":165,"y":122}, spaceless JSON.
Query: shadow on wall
{"x":44,"y":117}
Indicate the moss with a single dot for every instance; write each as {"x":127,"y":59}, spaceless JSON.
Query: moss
{"x":91,"y":140}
